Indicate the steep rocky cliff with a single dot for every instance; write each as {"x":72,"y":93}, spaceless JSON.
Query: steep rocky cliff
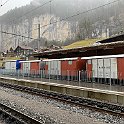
{"x":55,"y":22}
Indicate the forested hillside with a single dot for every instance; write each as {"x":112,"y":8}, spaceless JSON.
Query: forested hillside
{"x":66,"y":20}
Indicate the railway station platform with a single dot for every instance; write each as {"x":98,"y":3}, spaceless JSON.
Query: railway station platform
{"x":101,"y":92}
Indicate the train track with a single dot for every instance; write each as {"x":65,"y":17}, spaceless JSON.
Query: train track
{"x":16,"y":115}
{"x":96,"y":105}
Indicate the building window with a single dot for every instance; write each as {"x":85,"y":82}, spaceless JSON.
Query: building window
{"x":70,"y":62}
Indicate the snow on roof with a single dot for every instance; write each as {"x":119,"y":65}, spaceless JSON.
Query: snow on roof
{"x":63,"y":59}
{"x":30,"y":61}
{"x":107,"y":56}
{"x":12,"y":60}
{"x":69,"y":58}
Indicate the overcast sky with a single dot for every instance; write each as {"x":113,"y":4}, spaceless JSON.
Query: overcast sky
{"x":11,"y":4}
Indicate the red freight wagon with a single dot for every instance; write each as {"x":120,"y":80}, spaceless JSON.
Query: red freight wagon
{"x":67,"y":67}
{"x":45,"y":69}
{"x":106,"y":68}
{"x":71,"y":66}
{"x":120,"y":67}
{"x":31,"y":67}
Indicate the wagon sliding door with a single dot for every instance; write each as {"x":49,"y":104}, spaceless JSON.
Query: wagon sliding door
{"x":107,"y":68}
{"x":100,"y":68}
{"x":54,"y":67}
{"x":26,"y":67}
{"x":59,"y":68}
{"x":114,"y":74}
{"x":8,"y":67}
{"x":13,"y":66}
{"x":49,"y":67}
{"x":94,"y":68}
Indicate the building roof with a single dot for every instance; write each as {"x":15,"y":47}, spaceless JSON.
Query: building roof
{"x":113,"y":39}
{"x":25,"y":47}
{"x":108,"y":48}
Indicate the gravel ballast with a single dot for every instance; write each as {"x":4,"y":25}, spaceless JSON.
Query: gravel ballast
{"x":53,"y":112}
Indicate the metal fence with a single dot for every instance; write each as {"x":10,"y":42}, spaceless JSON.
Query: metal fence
{"x":78,"y":78}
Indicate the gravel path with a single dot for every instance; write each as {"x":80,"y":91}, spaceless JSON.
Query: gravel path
{"x":50,"y":111}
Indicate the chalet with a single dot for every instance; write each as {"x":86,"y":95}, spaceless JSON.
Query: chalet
{"x":10,"y":53}
{"x":23,"y":51}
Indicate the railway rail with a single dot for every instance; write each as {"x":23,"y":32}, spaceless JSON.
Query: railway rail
{"x":110,"y":108}
{"x":16,"y":115}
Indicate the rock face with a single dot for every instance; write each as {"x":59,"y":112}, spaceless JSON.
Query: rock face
{"x":54,"y":29}
{"x":55,"y":22}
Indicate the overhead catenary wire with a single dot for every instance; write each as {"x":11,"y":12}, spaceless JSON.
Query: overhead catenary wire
{"x":80,"y":13}
{"x":5,"y":3}
{"x":28,"y":13}
{"x":20,"y":35}
{"x":1,"y":2}
{"x":16,"y":34}
{"x":32,"y":10}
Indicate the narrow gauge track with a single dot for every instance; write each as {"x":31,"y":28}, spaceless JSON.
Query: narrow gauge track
{"x":16,"y":115}
{"x":109,"y":108}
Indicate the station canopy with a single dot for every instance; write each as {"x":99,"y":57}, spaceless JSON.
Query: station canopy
{"x":110,"y":46}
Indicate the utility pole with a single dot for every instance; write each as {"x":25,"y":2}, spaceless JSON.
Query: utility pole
{"x":38,"y":42}
{"x":1,"y":45}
